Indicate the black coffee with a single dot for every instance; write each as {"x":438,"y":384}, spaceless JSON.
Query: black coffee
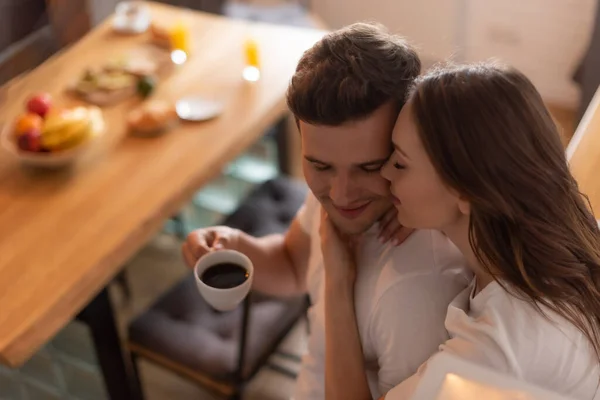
{"x":224,"y":275}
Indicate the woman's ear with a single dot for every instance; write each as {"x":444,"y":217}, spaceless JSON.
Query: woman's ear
{"x":464,"y":206}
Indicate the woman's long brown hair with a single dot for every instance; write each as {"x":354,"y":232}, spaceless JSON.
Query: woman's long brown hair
{"x":491,"y":138}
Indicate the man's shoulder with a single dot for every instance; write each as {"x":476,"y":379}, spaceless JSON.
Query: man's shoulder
{"x":395,"y":289}
{"x":424,"y":253}
{"x":308,"y":214}
{"x":427,"y":267}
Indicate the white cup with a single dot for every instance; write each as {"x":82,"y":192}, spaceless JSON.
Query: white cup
{"x":223,"y":299}
{"x":131,"y":17}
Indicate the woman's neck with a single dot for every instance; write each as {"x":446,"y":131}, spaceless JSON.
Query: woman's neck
{"x":459,"y":234}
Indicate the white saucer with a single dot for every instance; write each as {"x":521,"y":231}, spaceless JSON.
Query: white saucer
{"x":198,"y":108}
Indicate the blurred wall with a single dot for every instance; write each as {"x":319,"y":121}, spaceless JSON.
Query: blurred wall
{"x":19,"y":18}
{"x":543,"y":38}
{"x":100,"y":9}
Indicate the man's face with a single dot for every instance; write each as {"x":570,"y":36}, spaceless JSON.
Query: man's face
{"x":341,"y":165}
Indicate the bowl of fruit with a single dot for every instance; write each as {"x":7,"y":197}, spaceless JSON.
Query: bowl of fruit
{"x":47,"y":136}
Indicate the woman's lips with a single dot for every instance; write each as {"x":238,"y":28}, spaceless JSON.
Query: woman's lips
{"x":395,"y":200}
{"x":353,"y":212}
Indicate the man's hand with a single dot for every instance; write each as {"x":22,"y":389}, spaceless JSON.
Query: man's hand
{"x":202,"y":241}
{"x":391,"y":229}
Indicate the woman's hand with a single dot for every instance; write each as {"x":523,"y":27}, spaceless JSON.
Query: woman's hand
{"x":338,"y":253}
{"x":390,"y":228}
{"x":345,"y":376}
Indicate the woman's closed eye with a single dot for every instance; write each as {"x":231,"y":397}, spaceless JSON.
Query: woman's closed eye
{"x":396,"y":159}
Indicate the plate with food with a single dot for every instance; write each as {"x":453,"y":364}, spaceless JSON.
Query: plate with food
{"x":104,"y":87}
{"x":120,"y":79}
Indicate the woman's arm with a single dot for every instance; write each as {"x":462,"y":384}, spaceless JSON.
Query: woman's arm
{"x":344,"y":363}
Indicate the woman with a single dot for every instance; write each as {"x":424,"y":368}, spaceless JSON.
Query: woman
{"x":478,"y":156}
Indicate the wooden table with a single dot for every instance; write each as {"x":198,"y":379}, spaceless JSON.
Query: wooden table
{"x":583,"y":153}
{"x":65,"y":234}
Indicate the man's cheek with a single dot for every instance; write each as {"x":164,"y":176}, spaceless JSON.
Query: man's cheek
{"x":378,"y":185}
{"x":317,"y":185}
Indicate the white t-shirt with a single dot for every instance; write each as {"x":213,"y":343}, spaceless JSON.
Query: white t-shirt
{"x":497,"y":330}
{"x":401,"y":297}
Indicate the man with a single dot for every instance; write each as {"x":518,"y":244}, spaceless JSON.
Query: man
{"x":346,"y":94}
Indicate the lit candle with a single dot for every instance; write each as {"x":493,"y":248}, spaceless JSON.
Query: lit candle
{"x":179,"y":36}
{"x":252,"y":69}
{"x":251,"y":48}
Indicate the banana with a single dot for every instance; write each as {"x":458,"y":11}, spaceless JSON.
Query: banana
{"x":69,"y":128}
{"x":69,"y":137}
{"x":60,"y":121}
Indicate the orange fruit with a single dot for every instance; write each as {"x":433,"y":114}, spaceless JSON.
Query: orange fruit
{"x":28,"y":122}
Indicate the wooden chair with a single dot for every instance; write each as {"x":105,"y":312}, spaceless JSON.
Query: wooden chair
{"x":223,"y":351}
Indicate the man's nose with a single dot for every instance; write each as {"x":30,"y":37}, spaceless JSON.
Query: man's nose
{"x":342,"y":190}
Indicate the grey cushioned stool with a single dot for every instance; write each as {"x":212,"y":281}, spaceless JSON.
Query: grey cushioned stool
{"x":181,"y":332}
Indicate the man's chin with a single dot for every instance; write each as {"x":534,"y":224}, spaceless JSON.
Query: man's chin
{"x":352,"y":227}
{"x":361,"y":223}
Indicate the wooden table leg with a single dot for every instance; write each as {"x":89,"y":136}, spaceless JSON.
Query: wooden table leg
{"x":119,"y":377}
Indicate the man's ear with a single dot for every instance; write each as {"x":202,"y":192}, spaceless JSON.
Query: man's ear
{"x":297,"y":123}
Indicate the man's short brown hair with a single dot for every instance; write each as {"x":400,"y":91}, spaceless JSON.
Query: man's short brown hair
{"x":350,"y":73}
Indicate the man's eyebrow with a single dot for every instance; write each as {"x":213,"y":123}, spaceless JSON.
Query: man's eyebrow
{"x":373,"y":163}
{"x":314,"y":160}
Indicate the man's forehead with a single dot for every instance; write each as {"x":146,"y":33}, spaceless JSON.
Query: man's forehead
{"x":344,"y":149}
{"x":348,"y":156}
{"x":359,"y":162}
{"x":341,"y":135}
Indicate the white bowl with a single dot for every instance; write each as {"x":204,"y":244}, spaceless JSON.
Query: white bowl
{"x":55,"y":159}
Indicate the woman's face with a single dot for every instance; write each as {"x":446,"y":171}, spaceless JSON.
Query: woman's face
{"x":423,"y":201}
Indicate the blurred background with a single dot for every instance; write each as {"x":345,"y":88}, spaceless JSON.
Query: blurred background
{"x":546,"y":39}
{"x":555,"y":42}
